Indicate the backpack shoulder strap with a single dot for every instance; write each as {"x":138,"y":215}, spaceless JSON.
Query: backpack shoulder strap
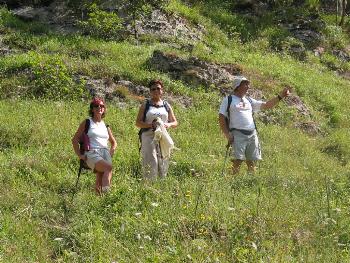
{"x":148,"y":104}
{"x":229,"y":101}
{"x":249,"y":99}
{"x":166,"y":106}
{"x":251,"y":102}
{"x":87,"y":126}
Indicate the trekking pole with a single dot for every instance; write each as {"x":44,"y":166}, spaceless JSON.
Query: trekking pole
{"x":77,"y":181}
{"x":228,"y":146}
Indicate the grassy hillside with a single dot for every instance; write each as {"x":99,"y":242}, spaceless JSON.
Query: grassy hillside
{"x":294,"y":209}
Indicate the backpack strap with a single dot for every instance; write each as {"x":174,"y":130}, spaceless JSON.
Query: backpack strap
{"x":229,"y":101}
{"x":166,"y":106}
{"x":251,"y":102}
{"x":87,"y":126}
{"x":148,"y":104}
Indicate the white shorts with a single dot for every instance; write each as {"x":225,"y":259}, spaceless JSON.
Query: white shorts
{"x":95,"y":155}
{"x":245,"y":147}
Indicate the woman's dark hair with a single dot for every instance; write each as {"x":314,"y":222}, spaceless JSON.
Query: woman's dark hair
{"x":155,"y":82}
{"x":95,"y":102}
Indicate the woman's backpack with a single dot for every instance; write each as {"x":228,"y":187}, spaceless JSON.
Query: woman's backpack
{"x":84,"y":143}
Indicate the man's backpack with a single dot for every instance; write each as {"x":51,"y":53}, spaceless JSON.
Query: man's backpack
{"x":148,"y":105}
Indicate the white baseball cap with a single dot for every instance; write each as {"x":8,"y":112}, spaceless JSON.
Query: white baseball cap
{"x":237,"y":81}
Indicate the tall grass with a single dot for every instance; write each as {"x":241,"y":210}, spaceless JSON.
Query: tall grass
{"x":279,"y":214}
{"x":294,"y":209}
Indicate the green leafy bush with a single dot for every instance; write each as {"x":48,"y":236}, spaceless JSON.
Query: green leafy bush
{"x":102,"y":24}
{"x":276,"y":36}
{"x":294,"y":47}
{"x":52,"y":79}
{"x":335,"y":37}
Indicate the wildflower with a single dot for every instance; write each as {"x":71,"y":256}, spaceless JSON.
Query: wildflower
{"x":147,"y":237}
{"x":254,"y":246}
{"x":58,"y":239}
{"x":138,"y":214}
{"x":155,"y":204}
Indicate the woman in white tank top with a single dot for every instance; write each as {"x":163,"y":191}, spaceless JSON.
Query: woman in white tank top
{"x":153,"y":164}
{"x":98,"y":157}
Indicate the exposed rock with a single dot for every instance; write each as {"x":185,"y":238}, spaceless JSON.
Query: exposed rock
{"x":57,"y":15}
{"x":164,"y":25}
{"x":319,"y":51}
{"x":342,"y":55}
{"x":295,"y":102}
{"x":311,"y":128}
{"x":194,"y":71}
{"x":122,"y":90}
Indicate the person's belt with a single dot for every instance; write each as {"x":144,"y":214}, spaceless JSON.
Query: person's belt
{"x":245,"y":132}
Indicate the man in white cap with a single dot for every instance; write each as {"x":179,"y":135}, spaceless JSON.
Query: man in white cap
{"x":237,"y":123}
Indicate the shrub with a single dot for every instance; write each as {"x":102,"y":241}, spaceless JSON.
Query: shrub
{"x":335,"y":36}
{"x":276,"y":36}
{"x":293,"y":47}
{"x":52,"y":80}
{"x":102,"y":24}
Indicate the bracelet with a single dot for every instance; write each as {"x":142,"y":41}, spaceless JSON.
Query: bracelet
{"x":279,"y":97}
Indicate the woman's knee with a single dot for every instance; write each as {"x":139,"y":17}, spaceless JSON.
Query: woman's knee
{"x":103,"y":166}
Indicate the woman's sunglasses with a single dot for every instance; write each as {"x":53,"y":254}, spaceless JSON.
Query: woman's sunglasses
{"x":153,"y":89}
{"x":98,"y":106}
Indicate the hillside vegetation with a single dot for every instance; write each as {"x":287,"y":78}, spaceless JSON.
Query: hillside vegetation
{"x":296,"y":208}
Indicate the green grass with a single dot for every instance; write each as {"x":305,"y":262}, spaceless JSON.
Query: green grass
{"x":294,"y":209}
{"x":279,"y":214}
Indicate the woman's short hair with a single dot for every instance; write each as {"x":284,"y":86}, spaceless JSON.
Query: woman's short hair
{"x":96,"y":101}
{"x":155,"y":82}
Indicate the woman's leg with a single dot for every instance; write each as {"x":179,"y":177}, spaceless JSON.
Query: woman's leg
{"x":105,"y":169}
{"x":149,"y":157}
{"x":98,"y":185}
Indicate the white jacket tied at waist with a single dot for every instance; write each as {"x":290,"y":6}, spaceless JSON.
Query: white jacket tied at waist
{"x":162,"y":137}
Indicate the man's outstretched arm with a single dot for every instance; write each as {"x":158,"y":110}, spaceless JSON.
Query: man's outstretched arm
{"x":274,"y":101}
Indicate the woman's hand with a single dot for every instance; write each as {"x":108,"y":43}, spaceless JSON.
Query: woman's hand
{"x":111,"y":151}
{"x":167,"y":125}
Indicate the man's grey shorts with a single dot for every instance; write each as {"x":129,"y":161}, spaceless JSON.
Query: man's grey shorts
{"x":96,"y":155}
{"x":245,"y":147}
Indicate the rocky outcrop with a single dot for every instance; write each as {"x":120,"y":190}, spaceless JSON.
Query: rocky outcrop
{"x":121,"y":91}
{"x":194,"y":71}
{"x":163,"y":25}
{"x":57,"y":15}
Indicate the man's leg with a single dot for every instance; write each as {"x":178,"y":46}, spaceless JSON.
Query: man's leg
{"x":236,"y":164}
{"x":251,"y":166}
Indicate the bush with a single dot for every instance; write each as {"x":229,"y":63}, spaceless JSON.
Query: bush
{"x":102,"y":24}
{"x":52,"y":80}
{"x":276,"y":36}
{"x":335,"y":37}
{"x":294,"y":47}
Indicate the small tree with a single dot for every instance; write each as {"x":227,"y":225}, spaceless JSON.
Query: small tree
{"x":139,"y":8}
{"x":342,"y":10}
{"x":101,"y":24}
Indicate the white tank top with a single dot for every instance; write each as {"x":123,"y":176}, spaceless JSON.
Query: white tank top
{"x":98,"y":134}
{"x":154,"y":112}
